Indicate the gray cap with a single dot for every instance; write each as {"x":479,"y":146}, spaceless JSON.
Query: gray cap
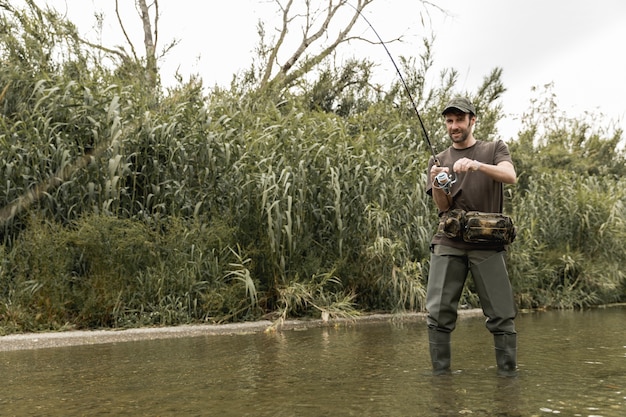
{"x":460,"y":103}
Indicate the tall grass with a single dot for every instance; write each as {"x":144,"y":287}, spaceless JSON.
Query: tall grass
{"x":570,"y":247}
{"x":123,"y":209}
{"x":212,"y":212}
{"x":104,"y":271}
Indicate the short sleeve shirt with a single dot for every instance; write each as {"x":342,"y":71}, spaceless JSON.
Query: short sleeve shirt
{"x":473,"y":190}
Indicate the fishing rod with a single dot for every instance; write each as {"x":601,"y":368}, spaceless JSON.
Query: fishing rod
{"x":406,"y":87}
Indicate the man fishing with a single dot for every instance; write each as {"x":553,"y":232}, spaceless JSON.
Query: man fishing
{"x":466,"y":184}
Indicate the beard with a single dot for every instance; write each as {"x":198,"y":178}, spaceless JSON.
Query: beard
{"x":464,"y":134}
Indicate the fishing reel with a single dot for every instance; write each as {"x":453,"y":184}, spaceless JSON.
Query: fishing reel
{"x":444,"y":181}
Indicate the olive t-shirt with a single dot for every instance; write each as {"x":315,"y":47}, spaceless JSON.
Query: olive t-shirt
{"x":473,"y":190}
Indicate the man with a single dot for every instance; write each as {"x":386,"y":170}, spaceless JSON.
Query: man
{"x":474,"y":172}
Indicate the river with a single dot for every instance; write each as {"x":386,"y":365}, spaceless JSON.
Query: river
{"x":571,"y":363}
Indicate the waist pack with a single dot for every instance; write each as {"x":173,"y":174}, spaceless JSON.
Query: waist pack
{"x":478,"y":227}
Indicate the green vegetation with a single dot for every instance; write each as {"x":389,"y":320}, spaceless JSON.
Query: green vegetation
{"x":122,"y":207}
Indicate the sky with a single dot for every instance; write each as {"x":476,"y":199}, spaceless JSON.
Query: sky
{"x":575,"y":45}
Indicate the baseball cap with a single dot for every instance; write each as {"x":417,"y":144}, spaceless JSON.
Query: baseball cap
{"x":460,"y":103}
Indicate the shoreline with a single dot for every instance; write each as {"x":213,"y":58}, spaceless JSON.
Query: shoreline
{"x":32,"y":341}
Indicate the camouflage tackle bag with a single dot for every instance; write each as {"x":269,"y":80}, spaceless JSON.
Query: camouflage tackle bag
{"x":488,"y":227}
{"x":477,"y":227}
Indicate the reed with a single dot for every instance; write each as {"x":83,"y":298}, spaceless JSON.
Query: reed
{"x":124,"y":209}
{"x":569,"y":249}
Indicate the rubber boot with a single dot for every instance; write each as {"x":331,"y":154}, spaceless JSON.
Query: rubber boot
{"x":439,"y":345}
{"x":506,"y":354}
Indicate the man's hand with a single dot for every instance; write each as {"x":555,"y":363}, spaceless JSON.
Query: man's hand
{"x":466,"y":165}
{"x":436,"y":170}
{"x":442,"y":199}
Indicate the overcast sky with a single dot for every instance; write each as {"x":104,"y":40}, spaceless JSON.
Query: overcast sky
{"x":575,"y":44}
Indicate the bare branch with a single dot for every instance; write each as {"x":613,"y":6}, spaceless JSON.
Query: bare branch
{"x":283,"y":33}
{"x":156,"y":23}
{"x":149,"y":43}
{"x":119,"y":53}
{"x":342,"y":37}
{"x":147,"y":28}
{"x":308,"y":40}
{"x":119,"y":19}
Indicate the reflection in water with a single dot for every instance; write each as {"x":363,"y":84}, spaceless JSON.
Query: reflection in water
{"x":571,"y":363}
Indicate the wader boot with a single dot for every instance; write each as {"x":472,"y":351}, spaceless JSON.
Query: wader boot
{"x":439,"y":345}
{"x":506,"y":354}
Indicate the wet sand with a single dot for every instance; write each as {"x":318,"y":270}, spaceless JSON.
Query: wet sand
{"x":92,"y":337}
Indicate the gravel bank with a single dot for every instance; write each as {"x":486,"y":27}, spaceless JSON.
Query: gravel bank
{"x":92,"y":337}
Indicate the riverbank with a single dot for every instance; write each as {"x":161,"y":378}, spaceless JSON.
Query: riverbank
{"x":31,"y":341}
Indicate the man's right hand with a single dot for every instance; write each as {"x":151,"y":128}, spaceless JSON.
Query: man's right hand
{"x":436,"y":170}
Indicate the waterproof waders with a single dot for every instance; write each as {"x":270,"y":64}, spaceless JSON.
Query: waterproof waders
{"x":449,"y":268}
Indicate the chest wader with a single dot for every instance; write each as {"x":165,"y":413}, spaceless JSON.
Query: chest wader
{"x":447,"y":275}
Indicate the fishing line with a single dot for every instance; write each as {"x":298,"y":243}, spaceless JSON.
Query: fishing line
{"x":406,"y":87}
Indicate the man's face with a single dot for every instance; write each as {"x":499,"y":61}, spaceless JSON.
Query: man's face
{"x":459,"y":126}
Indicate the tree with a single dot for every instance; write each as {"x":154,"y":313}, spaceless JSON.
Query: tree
{"x":131,"y":63}
{"x":150,"y":24}
{"x":316,"y":23}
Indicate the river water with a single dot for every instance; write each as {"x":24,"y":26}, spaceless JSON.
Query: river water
{"x":572,"y":363}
